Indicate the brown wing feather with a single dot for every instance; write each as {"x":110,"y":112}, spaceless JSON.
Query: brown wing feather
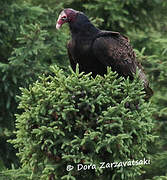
{"x":70,"y":55}
{"x":117,"y":53}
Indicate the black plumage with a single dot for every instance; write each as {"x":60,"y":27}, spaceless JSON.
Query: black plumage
{"x":94,"y":49}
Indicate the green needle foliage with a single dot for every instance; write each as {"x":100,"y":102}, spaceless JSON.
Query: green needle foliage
{"x":77,"y":119}
{"x":29,"y":43}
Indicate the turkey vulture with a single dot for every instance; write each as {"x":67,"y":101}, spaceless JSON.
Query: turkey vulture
{"x":94,"y":49}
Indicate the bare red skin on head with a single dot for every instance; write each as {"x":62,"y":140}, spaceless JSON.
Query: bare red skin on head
{"x":69,"y":14}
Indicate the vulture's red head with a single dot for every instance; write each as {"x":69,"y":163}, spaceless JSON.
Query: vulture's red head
{"x":67,"y":15}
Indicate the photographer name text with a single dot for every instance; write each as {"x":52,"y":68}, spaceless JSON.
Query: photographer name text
{"x":106,"y":165}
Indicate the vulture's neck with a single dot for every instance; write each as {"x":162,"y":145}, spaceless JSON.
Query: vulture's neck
{"x":82,"y":25}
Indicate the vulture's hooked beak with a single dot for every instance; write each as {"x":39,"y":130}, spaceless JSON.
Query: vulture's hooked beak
{"x":58,"y":26}
{"x":61,"y":20}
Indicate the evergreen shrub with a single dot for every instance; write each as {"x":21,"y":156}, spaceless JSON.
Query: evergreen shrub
{"x":79,"y":120}
{"x":29,"y":44}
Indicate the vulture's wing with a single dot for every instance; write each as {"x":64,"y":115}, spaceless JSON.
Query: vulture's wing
{"x":70,"y":55}
{"x":114,"y":50}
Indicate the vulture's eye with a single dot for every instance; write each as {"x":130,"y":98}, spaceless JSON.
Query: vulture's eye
{"x":64,"y":18}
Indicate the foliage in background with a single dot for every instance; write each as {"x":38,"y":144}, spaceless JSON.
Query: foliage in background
{"x":28,"y":45}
